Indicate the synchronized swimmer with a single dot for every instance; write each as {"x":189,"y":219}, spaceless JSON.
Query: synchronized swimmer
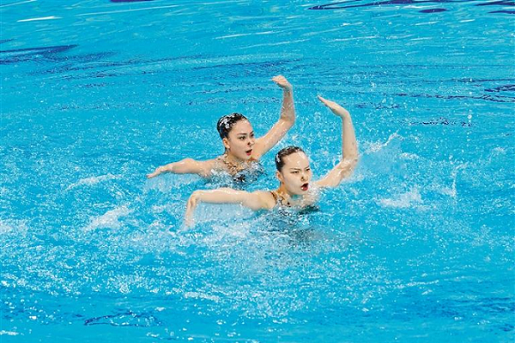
{"x":294,"y":173}
{"x":242,"y":149}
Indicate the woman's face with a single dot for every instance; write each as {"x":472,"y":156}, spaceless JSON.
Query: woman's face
{"x":240,"y":140}
{"x":296,"y":173}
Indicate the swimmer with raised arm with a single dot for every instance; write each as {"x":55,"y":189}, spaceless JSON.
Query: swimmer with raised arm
{"x":242,"y":149}
{"x":294,"y":173}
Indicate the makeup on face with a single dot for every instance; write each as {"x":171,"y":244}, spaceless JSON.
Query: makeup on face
{"x":241,"y":140}
{"x":296,"y":173}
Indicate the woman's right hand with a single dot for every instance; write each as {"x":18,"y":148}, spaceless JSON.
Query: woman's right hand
{"x":190,"y":208}
{"x":156,"y":172}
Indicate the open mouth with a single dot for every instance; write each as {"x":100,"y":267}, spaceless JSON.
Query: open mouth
{"x":249,"y":152}
{"x":305,"y":187}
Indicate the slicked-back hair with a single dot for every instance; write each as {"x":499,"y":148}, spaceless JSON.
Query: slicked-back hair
{"x":226,"y":123}
{"x":279,"y":158}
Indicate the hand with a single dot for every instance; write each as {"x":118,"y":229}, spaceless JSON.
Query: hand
{"x":156,"y":172}
{"x":190,"y":208}
{"x":334,"y":107}
{"x":282,"y":82}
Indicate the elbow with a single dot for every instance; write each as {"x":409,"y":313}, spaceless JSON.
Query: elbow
{"x":348,"y":164}
{"x":288,"y":122}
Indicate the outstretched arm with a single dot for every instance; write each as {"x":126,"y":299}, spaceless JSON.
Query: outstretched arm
{"x":349,"y":148}
{"x":285,"y":122}
{"x":255,"y":201}
{"x":186,"y":166}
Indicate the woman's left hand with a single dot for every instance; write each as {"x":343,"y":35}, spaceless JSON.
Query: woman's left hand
{"x":282,"y":82}
{"x":334,"y":107}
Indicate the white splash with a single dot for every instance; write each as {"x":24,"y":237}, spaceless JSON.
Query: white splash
{"x":197,"y":295}
{"x":10,"y":225}
{"x":111,"y":219}
{"x":404,"y":200}
{"x":90,"y":181}
{"x":378,"y":146}
{"x":8,"y":333}
{"x":452,"y":190}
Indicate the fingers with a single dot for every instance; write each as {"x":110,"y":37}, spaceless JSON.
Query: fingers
{"x":282,"y":82}
{"x":155,"y":173}
{"x":331,"y":104}
{"x":324,"y":101}
{"x":190,"y":208}
{"x":334,"y":107}
{"x":278,"y":78}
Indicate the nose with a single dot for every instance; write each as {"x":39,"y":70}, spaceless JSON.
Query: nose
{"x":303,"y":177}
{"x":251,"y":142}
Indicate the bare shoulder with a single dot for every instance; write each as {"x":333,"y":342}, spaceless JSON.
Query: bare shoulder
{"x":266,"y":199}
{"x":206,"y":167}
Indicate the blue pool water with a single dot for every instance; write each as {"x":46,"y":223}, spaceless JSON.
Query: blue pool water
{"x":418,"y":246}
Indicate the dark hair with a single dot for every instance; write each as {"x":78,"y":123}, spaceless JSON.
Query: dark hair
{"x":226,"y":123}
{"x":279,"y":158}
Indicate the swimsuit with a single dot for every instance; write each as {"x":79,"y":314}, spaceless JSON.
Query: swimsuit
{"x":281,"y":202}
{"x":245,"y":172}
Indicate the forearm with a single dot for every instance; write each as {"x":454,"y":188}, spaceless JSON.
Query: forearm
{"x":349,"y":144}
{"x":288,"y":107}
{"x":221,"y":196}
{"x":185,"y":166}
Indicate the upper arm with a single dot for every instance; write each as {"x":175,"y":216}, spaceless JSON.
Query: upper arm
{"x":342,"y":170}
{"x":271,"y":138}
{"x":258,"y":200}
{"x":204,"y":168}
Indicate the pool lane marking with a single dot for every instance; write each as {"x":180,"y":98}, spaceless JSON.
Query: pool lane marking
{"x":131,"y":10}
{"x":17,"y":3}
{"x":36,"y":19}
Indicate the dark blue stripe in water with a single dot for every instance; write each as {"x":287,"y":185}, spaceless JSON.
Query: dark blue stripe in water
{"x":433,"y":10}
{"x":342,"y":4}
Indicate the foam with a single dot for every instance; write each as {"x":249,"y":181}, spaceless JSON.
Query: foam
{"x":109,"y":220}
{"x":8,"y":333}
{"x":404,"y":200}
{"x":7,"y":226}
{"x":90,"y":181}
{"x":378,"y":146}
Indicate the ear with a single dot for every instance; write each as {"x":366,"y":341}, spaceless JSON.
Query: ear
{"x":279,"y":176}
{"x":225,"y":141}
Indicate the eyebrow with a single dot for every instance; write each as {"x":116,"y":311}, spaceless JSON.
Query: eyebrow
{"x":244,"y":133}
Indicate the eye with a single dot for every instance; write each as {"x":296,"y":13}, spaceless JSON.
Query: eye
{"x":295,"y":172}
{"x":308,"y":169}
{"x":252,"y":135}
{"x":241,"y":138}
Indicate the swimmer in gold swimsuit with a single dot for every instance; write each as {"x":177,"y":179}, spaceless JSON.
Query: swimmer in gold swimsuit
{"x":242,"y":149}
{"x":294,"y":173}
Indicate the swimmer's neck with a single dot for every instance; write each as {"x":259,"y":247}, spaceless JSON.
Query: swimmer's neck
{"x":287,"y":195}
{"x":233,"y":159}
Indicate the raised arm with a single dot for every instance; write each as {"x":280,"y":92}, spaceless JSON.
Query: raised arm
{"x":285,"y":122}
{"x":186,"y":166}
{"x":255,"y":201}
{"x":349,"y":148}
